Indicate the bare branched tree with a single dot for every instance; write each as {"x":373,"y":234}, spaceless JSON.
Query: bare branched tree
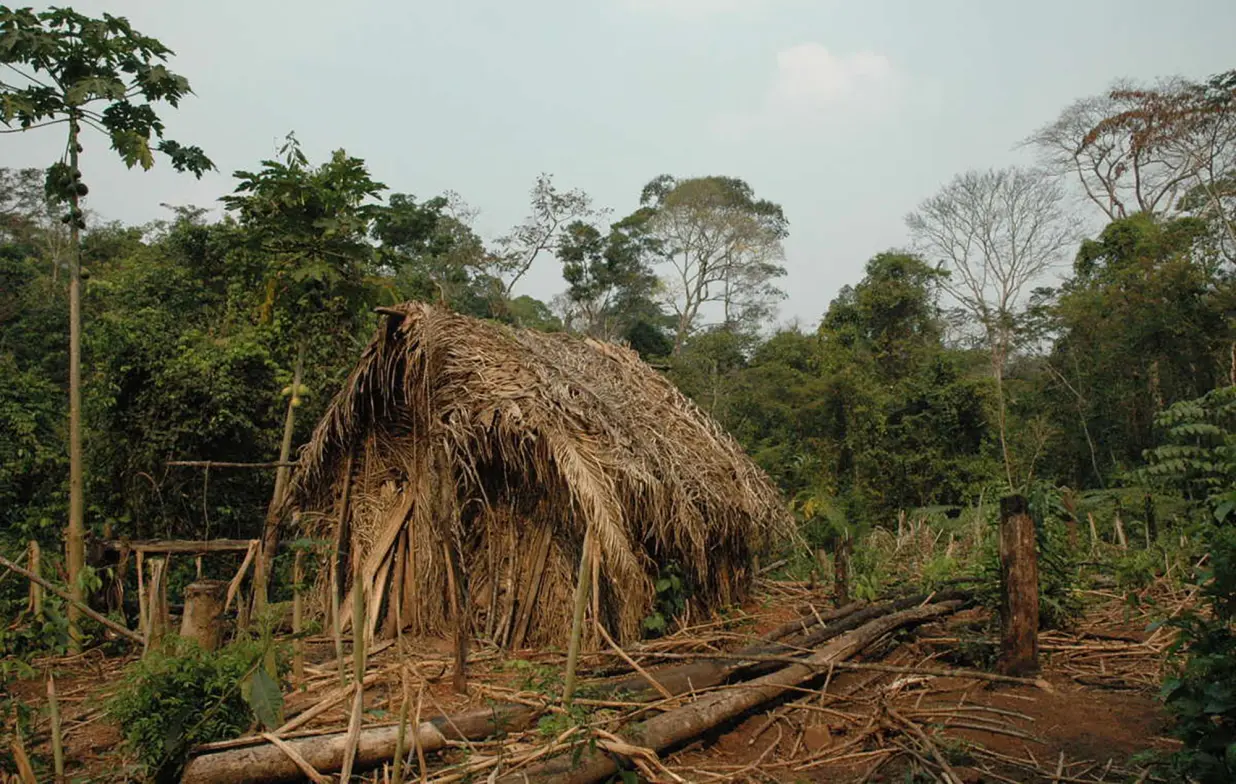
{"x":995,"y":233}
{"x":1163,"y":149}
{"x":1115,"y":172}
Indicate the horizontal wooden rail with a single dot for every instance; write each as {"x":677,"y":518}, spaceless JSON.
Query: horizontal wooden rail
{"x":224,"y":464}
{"x":179,"y":545}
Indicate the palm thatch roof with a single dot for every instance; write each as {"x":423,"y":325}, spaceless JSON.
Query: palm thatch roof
{"x":467,"y":459}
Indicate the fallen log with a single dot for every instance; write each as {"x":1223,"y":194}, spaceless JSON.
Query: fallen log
{"x":267,"y":763}
{"x":681,"y":724}
{"x":263,"y":763}
{"x":709,"y":672}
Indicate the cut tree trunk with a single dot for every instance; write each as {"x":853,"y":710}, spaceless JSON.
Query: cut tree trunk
{"x":203,"y":608}
{"x":841,"y":572}
{"x":1019,"y":587}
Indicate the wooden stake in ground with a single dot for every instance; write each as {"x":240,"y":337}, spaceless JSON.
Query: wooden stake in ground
{"x":1152,"y":525}
{"x":298,"y":616}
{"x":156,"y":603}
{"x":1019,"y":589}
{"x":841,"y":570}
{"x":1118,"y":523}
{"x":203,"y":609}
{"x":336,"y":578}
{"x":36,"y":591}
{"x":577,"y":619}
{"x":57,"y":739}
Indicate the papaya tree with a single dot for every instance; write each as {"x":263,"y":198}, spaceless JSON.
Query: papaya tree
{"x":309,"y":226}
{"x":62,"y":68}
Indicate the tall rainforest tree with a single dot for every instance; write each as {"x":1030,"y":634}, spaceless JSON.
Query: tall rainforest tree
{"x":905,"y":426}
{"x":61,"y":68}
{"x":310,"y":227}
{"x":995,"y":232}
{"x":1140,"y":325}
{"x":610,"y":285}
{"x":722,"y":246}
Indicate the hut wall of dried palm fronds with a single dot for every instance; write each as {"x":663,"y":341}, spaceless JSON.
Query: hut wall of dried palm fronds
{"x":494,"y":449}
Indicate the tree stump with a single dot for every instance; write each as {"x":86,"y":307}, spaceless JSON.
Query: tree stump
{"x":203,"y":610}
{"x":1019,"y":589}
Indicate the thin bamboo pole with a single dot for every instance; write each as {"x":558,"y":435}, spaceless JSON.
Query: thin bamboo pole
{"x":577,"y":620}
{"x":298,"y":617}
{"x":33,"y":562}
{"x":57,"y":738}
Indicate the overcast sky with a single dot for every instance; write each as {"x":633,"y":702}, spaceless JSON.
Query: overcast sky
{"x":846,"y":113}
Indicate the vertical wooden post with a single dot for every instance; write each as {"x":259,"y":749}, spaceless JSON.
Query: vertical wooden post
{"x":156,"y":603}
{"x":841,"y":570}
{"x":1118,"y":523}
{"x":1152,"y":525}
{"x":298,"y":617}
{"x":459,"y":613}
{"x":143,"y":612}
{"x":57,"y":738}
{"x":336,"y":579}
{"x":1019,"y":588}
{"x":577,"y":620}
{"x":33,"y":562}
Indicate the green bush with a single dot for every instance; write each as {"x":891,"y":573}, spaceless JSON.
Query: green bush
{"x":1202,"y":698}
{"x":181,"y":695}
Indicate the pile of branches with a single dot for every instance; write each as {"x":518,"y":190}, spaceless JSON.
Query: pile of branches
{"x":674,"y":692}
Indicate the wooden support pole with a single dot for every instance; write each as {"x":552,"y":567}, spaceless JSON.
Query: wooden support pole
{"x":156,"y":603}
{"x":218,"y":464}
{"x":57,"y":736}
{"x":1019,"y":589}
{"x":841,"y":570}
{"x":577,"y":619}
{"x":298,"y":616}
{"x":33,"y":562}
{"x":336,"y":579}
{"x":89,"y":613}
{"x":1118,"y":523}
{"x":1152,"y":525}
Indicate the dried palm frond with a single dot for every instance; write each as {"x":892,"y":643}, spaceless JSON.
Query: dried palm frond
{"x":463,"y":429}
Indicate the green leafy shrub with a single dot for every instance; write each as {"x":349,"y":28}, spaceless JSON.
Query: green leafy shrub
{"x":181,"y":695}
{"x":671,"y":599}
{"x":1202,"y":697}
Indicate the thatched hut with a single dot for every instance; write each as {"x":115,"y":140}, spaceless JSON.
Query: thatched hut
{"x":467,"y":460}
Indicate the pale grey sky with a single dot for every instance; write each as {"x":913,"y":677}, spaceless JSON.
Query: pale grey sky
{"x":847,"y":113}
